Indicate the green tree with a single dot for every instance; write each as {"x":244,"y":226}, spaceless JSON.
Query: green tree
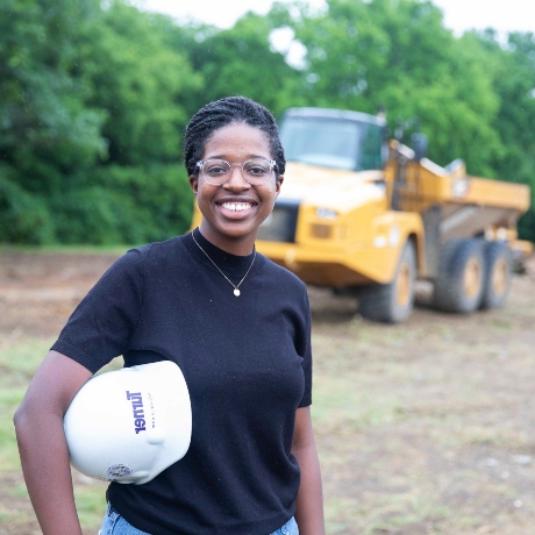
{"x":242,"y":61}
{"x":95,"y":96}
{"x":397,"y":55}
{"x":46,"y":130}
{"x":86,"y":89}
{"x":139,"y":81}
{"x":514,"y":82}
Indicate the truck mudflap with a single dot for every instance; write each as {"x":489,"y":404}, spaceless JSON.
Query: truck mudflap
{"x":521,"y":250}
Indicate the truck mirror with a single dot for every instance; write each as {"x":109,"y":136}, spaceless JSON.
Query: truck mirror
{"x":419,"y":144}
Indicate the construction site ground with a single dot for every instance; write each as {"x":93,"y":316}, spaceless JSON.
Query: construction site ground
{"x":427,"y":427}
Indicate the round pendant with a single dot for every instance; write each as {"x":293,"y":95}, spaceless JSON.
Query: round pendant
{"x":237,"y":292}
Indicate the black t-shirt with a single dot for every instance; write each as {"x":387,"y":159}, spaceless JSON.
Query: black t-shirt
{"x":247,"y":363}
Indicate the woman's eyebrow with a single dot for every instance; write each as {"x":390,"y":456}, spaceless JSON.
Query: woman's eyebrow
{"x":248,"y":156}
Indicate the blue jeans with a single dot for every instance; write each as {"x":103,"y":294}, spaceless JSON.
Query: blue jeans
{"x":115,"y":524}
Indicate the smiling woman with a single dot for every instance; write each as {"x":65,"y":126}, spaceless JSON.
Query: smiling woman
{"x":234,"y":205}
{"x":236,"y":163}
{"x":245,"y":354}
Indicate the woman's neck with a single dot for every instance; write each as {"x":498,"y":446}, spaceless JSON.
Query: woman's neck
{"x":234,"y":246}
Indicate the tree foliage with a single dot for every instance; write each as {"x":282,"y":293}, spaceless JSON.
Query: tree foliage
{"x":90,"y":124}
{"x":397,"y":55}
{"x":95,"y":96}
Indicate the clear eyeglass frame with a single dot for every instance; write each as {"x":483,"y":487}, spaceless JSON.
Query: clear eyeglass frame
{"x":255,"y":171}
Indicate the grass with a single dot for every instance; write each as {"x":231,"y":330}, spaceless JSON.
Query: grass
{"x":418,"y":426}
{"x":91,"y":503}
{"x":19,"y":357}
{"x":412,"y":412}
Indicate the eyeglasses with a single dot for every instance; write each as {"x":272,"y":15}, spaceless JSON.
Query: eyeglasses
{"x":256,"y":171}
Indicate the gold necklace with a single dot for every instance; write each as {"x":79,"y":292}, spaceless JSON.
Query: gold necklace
{"x":237,"y":291}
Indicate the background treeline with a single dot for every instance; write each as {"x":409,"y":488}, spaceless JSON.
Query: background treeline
{"x":94,"y":97}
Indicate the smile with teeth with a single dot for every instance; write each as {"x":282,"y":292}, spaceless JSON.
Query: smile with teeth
{"x":236,"y":206}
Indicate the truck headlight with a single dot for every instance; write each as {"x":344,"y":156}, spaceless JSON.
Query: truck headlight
{"x":326,"y":213}
{"x":324,"y":232}
{"x":394,"y":236}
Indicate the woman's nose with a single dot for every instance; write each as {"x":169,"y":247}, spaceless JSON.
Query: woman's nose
{"x":236,"y":180}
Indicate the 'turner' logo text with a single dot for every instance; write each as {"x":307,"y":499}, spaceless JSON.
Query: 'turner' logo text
{"x":137,"y":408}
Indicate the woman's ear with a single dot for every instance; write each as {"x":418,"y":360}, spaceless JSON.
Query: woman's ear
{"x":194,"y":183}
{"x":278,"y":183}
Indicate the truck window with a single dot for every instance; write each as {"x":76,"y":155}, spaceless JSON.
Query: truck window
{"x":335,"y":143}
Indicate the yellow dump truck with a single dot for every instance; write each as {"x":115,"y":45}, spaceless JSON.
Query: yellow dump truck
{"x":361,"y":215}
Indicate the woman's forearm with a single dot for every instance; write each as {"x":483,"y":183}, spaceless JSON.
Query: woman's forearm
{"x":41,"y":439}
{"x":309,"y":513}
{"x":45,"y":464}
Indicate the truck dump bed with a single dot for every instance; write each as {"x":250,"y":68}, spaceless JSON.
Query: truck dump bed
{"x":468,"y":205}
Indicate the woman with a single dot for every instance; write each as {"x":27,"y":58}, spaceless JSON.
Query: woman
{"x":238,"y":326}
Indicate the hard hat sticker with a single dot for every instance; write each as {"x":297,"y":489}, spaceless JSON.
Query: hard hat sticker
{"x":117,"y":471}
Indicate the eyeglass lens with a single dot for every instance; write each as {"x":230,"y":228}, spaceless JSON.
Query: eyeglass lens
{"x":254,"y":171}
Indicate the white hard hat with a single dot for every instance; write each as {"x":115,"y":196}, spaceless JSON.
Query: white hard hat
{"x":130,"y":424}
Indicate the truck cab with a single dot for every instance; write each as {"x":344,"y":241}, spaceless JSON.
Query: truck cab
{"x":332,"y":224}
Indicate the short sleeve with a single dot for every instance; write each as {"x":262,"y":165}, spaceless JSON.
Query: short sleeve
{"x":305,"y":350}
{"x":102,"y":324}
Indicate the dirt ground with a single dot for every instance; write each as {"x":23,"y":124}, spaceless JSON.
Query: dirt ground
{"x":423,"y":428}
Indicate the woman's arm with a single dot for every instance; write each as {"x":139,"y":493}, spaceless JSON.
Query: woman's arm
{"x":309,"y":498}
{"x":41,"y":440}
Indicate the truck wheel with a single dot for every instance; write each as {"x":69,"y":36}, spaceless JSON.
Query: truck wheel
{"x":498,"y":274}
{"x":459,"y":284}
{"x":393,"y":302}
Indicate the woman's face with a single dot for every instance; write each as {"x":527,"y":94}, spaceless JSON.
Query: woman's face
{"x":233,"y":211}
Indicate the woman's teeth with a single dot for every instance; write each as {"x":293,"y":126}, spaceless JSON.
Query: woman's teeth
{"x":236,"y":206}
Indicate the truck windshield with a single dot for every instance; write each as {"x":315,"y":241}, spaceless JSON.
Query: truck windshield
{"x":337,"y":143}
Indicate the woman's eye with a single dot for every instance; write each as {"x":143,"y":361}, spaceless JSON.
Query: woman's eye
{"x":256,"y":170}
{"x":216,"y":170}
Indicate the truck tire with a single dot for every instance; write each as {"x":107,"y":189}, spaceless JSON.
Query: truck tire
{"x":459,"y":284}
{"x":498,"y":274}
{"x":393,"y":302}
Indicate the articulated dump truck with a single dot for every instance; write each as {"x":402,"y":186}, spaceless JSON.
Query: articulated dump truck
{"x":360,"y":215}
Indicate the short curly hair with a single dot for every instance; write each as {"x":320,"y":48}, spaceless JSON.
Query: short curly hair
{"x":222,"y":112}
